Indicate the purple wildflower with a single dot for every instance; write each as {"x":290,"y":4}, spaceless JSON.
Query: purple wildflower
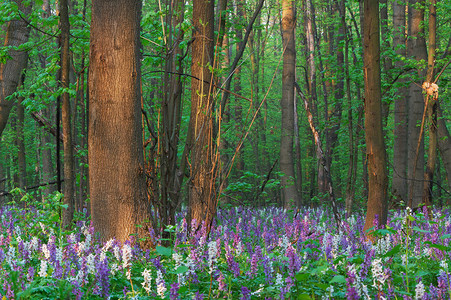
{"x":222,"y":283}
{"x":351,"y":292}
{"x":102,"y":276}
{"x":30,"y":274}
{"x":245,"y":293}
{"x":174,"y":291}
{"x":198,"y":296}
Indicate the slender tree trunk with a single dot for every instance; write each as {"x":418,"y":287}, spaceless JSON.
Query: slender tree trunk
{"x":432,"y":103}
{"x":377,"y":207}
{"x":68,"y":213}
{"x":336,"y":111}
{"x":288,"y":182}
{"x":202,"y":195}
{"x":415,"y":152}
{"x":310,"y":34}
{"x":116,"y":171}
{"x":350,"y":188}
{"x":20,"y":142}
{"x":297,"y":158}
{"x":239,"y":161}
{"x":444,"y":146}
{"x":169,"y":196}
{"x":10,"y":71}
{"x":399,"y":184}
{"x":386,"y":63}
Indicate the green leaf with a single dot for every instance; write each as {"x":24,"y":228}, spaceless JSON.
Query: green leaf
{"x":437,"y":246}
{"x":184,"y":245}
{"x":304,"y":297}
{"x":418,"y":229}
{"x":393,"y":251}
{"x":181,"y":270}
{"x":163,"y":251}
{"x":338,"y":279}
{"x":322,"y":286}
{"x":445,"y":236}
{"x":302,"y":276}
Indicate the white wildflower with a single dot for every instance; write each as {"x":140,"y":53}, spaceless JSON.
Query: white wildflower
{"x":126,"y":255}
{"x":335,"y":244}
{"x":80,"y":277}
{"x":279,"y":280}
{"x":59,"y":254}
{"x":419,"y":291}
{"x":45,"y":251}
{"x":443,"y":265}
{"x":43,"y":269}
{"x":42,"y":227}
{"x":379,"y":276}
{"x":161,"y":288}
{"x":178,"y":262}
{"x":33,"y":245}
{"x":383,"y":245}
{"x":72,"y":238}
{"x":114,"y":268}
{"x":107,"y":245}
{"x":10,"y":255}
{"x":80,"y":248}
{"x":258,"y":292}
{"x":147,"y":283}
{"x":239,"y":249}
{"x":90,"y":264}
{"x":362,"y":289}
{"x":284,"y":243}
{"x":117,"y":252}
{"x":88,"y":240}
{"x":211,"y":256}
{"x":102,"y":256}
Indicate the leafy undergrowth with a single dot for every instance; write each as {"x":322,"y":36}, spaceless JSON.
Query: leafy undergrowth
{"x":250,"y":254}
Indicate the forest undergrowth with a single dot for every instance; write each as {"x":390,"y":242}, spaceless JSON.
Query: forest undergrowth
{"x":251,"y":253}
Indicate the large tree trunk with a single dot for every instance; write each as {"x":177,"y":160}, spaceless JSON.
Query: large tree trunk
{"x":288,"y":182}
{"x":415,"y":151}
{"x":399,"y":184}
{"x":10,"y":72}
{"x":68,"y":213}
{"x":202,"y":198}
{"x":116,"y":171}
{"x":375,"y":148}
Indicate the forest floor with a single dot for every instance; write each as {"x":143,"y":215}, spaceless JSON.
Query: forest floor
{"x":249,"y":254}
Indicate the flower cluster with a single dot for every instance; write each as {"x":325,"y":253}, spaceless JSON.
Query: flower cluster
{"x":249,"y":254}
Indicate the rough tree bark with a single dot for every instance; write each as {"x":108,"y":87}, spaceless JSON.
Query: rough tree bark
{"x":116,"y":176}
{"x":17,"y":34}
{"x":202,"y":198}
{"x":375,"y":149}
